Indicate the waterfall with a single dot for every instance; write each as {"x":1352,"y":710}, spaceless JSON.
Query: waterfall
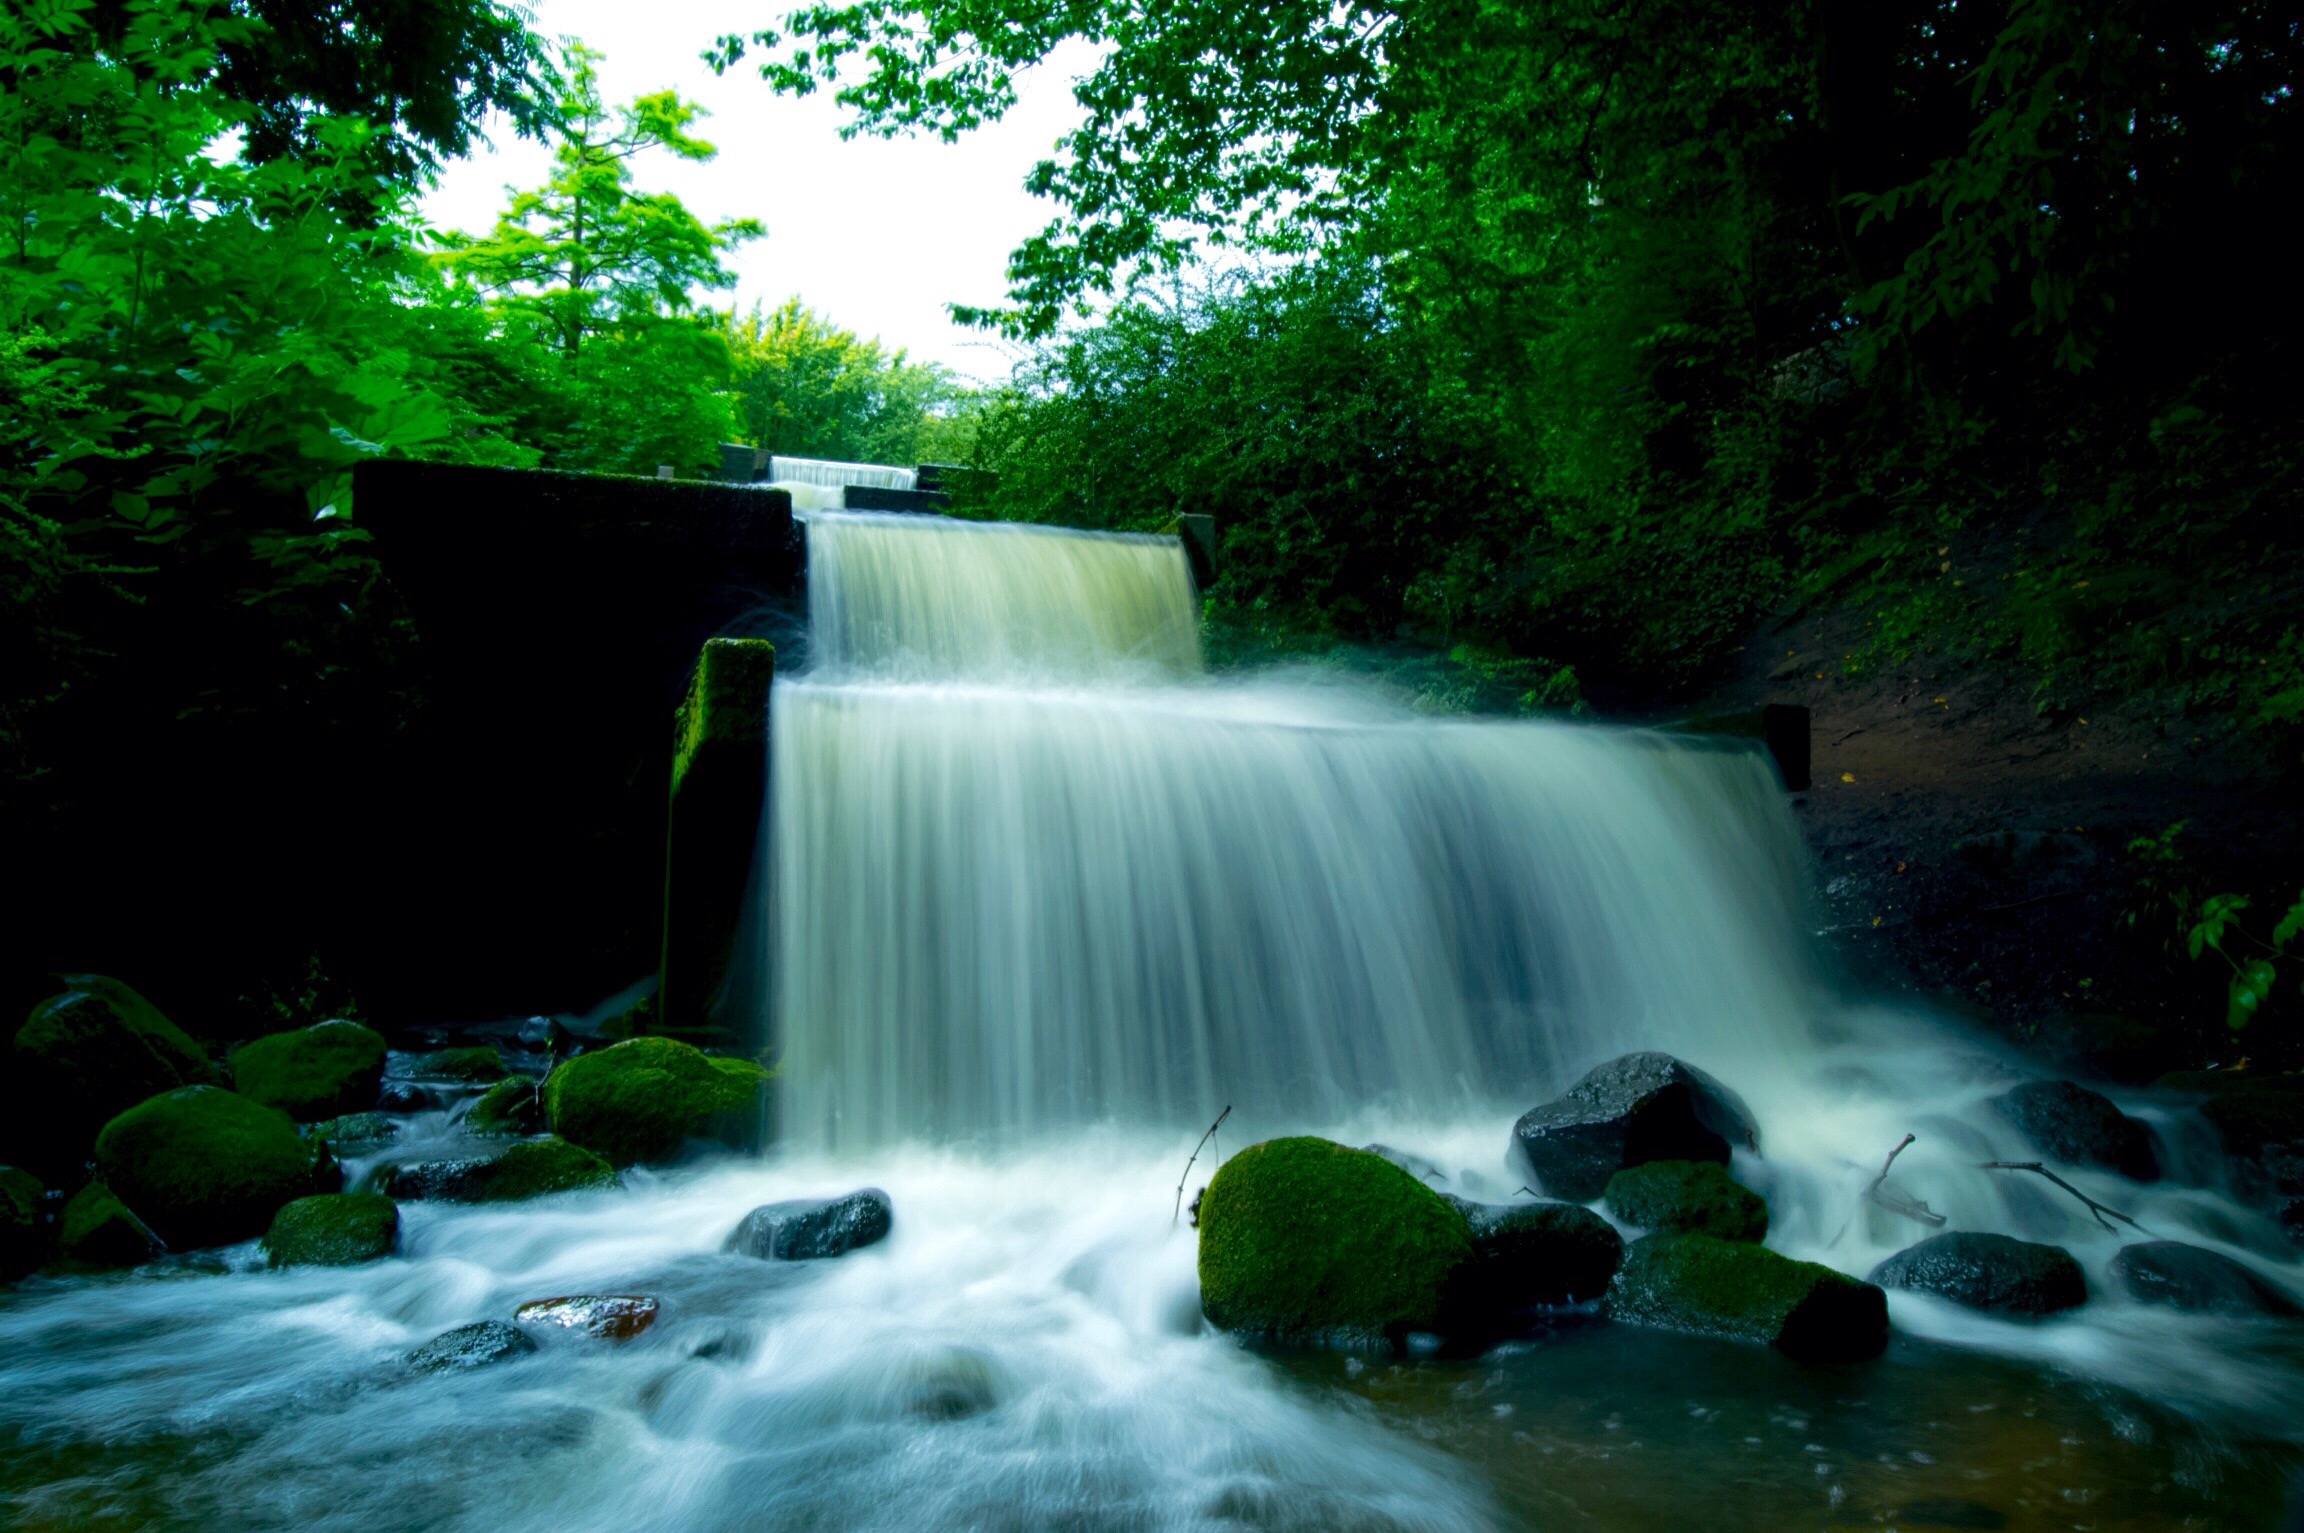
{"x":824,"y":471}
{"x":1032,"y":870}
{"x":936,"y":598}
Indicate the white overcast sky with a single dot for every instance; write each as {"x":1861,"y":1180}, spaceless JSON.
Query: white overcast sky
{"x":877,"y":235}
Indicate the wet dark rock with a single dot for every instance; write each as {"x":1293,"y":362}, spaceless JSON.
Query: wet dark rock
{"x":2250,"y":1110}
{"x":2291,"y":1219}
{"x":810,"y":1228}
{"x":1687,"y":1197}
{"x":2105,"y":1046}
{"x":401,"y":1097}
{"x":1988,"y":1272}
{"x":2074,"y":1126}
{"x":529,"y":1169}
{"x":23,"y":1231}
{"x":206,"y":1167}
{"x":1526,"y":1255}
{"x":953,"y":1387}
{"x":471,"y":1346}
{"x":1746,"y":1292}
{"x":97,"y":1230}
{"x":2192,"y":1278}
{"x":340,"y":1229}
{"x":1304,"y":1240}
{"x":81,"y":1059}
{"x":2283,"y":1167}
{"x":322,"y":1071}
{"x":609,"y":1317}
{"x":1627,"y":1112}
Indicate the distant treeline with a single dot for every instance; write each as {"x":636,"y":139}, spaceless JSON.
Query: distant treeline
{"x":1596,"y":332}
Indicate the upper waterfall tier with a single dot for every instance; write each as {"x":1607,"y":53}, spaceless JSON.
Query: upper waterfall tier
{"x":929,"y":597}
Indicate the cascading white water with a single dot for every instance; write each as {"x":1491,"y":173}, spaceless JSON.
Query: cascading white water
{"x":826,"y":471}
{"x":1007,"y":900}
{"x":934,"y":599}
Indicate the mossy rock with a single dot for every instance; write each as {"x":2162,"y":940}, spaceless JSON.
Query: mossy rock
{"x":98,"y":1230}
{"x":333,"y":1229}
{"x":322,"y":1071}
{"x":85,"y":1056}
{"x":1746,"y":1292}
{"x":477,"y":1065}
{"x":511,"y":1106}
{"x":1687,"y":1197}
{"x":1306,"y":1240}
{"x":354,"y":1131}
{"x":638,"y":1100}
{"x":204,"y":1166}
{"x":23,"y":1234}
{"x":532,"y":1168}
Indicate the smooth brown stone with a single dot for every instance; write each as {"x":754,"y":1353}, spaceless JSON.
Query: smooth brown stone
{"x":611,"y":1317}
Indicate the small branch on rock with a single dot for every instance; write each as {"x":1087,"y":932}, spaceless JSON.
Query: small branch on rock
{"x":1196,"y":1149}
{"x":2094,"y":1207}
{"x":1896,"y":1202}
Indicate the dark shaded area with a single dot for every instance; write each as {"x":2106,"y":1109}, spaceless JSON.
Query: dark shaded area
{"x":518,"y":860}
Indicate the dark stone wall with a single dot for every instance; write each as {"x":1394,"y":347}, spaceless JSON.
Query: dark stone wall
{"x":517,"y":858}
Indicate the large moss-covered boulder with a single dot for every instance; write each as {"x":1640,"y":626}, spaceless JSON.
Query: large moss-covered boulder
{"x":23,"y":1238}
{"x":333,"y":1229}
{"x":1687,"y":1197}
{"x":1731,"y":1288}
{"x":638,"y":1100}
{"x":204,"y":1166}
{"x":97,"y":1230}
{"x":83,"y":1057}
{"x":1306,"y":1240}
{"x":323,"y":1071}
{"x":529,"y":1169}
{"x":1995,"y":1273}
{"x":1627,"y":1112}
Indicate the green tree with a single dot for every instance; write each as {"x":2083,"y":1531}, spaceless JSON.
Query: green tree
{"x":807,"y":388}
{"x":587,"y":254}
{"x":1754,"y":303}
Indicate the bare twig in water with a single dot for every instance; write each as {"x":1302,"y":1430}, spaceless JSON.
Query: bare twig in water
{"x":1896,"y":1202}
{"x":1196,"y":1149}
{"x":2094,"y":1207}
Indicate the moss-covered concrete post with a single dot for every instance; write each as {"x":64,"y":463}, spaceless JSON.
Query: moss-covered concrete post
{"x":719,"y":782}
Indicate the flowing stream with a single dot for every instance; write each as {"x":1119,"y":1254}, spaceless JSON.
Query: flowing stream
{"x":1043,"y":898}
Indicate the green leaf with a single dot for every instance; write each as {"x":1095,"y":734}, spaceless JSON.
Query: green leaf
{"x":2290,"y":925}
{"x":2248,"y":991}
